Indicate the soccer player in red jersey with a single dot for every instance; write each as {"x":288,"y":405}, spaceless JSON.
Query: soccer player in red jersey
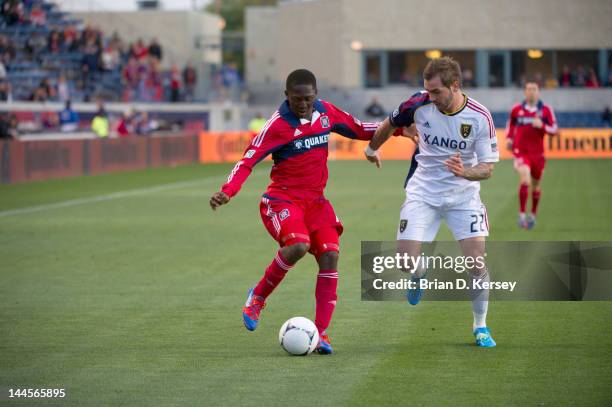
{"x":294,"y":209}
{"x":529,"y":122}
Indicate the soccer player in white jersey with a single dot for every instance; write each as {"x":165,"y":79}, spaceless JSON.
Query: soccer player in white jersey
{"x":457,"y":148}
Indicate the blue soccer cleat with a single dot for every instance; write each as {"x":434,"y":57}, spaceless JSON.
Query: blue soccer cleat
{"x":324,"y":347}
{"x":251,"y":310}
{"x":531,"y":221}
{"x":484,"y":338}
{"x":414,"y":294}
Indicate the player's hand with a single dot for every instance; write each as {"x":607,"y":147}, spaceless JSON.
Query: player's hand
{"x":509,"y":144}
{"x":455,"y":165}
{"x":411,"y":133}
{"x":372,"y":156}
{"x":537,"y":123}
{"x":218,"y":199}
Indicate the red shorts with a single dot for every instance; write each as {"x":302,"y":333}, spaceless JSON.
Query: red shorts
{"x":307,"y":221}
{"x":535,"y":162}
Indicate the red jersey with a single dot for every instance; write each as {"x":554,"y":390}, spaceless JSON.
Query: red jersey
{"x":299,"y":149}
{"x":526,"y":138}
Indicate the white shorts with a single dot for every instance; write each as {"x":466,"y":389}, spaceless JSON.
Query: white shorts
{"x":420,"y":221}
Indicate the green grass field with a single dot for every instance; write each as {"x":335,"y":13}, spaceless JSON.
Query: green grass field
{"x":126,"y":289}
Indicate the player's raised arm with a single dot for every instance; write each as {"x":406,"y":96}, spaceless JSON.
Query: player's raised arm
{"x":348,"y":126}
{"x":262,"y":144}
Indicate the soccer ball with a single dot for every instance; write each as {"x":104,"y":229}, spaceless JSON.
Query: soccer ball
{"x":298,"y":336}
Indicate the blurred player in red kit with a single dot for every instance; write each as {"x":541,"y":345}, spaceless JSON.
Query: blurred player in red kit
{"x":529,"y":122}
{"x":294,"y":209}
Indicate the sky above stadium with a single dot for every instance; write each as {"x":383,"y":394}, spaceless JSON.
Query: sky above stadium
{"x":126,"y":5}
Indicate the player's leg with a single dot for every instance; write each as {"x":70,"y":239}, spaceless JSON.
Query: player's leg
{"x":325,"y":249}
{"x":419,"y":222}
{"x":325,"y":233}
{"x":470,"y":225}
{"x":412,"y":248}
{"x":474,"y":247}
{"x":284,"y":221}
{"x":536,"y":191}
{"x":522,"y":167}
{"x":285,"y":259}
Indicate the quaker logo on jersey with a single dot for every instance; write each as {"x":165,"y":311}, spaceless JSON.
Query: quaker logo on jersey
{"x":310,"y":142}
{"x":403,"y":224}
{"x":466,"y":129}
{"x":249,"y":154}
{"x":525,"y":120}
{"x":284,"y":214}
{"x":444,"y":142}
{"x":325,"y":122}
{"x":395,"y":113}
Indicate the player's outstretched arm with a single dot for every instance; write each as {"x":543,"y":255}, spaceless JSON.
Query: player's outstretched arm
{"x":218,"y":199}
{"x":382,"y":134}
{"x":264,"y":143}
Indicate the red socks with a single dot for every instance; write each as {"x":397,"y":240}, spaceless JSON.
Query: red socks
{"x":536,"y":193}
{"x":274,"y":274}
{"x":325,"y":294}
{"x":535,"y":199}
{"x":523,"y":195}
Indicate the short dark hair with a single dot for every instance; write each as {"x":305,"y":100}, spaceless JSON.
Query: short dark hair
{"x":301,"y":77}
{"x":446,"y":67}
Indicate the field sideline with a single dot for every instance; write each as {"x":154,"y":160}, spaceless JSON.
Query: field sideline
{"x":126,"y":289}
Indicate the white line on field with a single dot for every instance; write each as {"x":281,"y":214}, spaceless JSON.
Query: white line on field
{"x":117,"y":195}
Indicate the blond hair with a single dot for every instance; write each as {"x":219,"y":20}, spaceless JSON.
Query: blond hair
{"x":446,"y":68}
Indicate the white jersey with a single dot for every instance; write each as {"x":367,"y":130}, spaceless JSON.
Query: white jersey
{"x":469,"y":131}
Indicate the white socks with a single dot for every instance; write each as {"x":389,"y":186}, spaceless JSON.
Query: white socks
{"x":480,"y":303}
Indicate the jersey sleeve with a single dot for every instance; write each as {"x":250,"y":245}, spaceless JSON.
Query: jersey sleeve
{"x":403,"y":116}
{"x":511,"y":125}
{"x":486,"y":140}
{"x":268,"y":140}
{"x":348,"y":126}
{"x":550,"y":121}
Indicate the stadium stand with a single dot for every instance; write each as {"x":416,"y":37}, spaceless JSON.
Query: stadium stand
{"x":46,"y":55}
{"x":42,"y":44}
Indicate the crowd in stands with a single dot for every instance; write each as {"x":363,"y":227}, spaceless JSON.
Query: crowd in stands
{"x":580,"y":77}
{"x":67,"y":60}
{"x":132,"y":122}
